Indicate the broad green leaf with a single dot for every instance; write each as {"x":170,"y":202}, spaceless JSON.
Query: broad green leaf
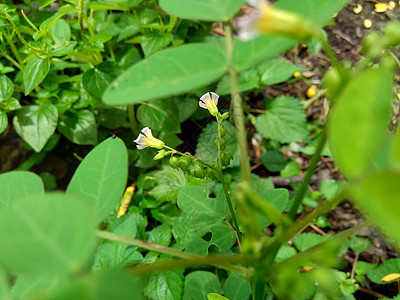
{"x":96,"y":80}
{"x":196,"y":201}
{"x":101,"y":177}
{"x":169,"y":183}
{"x":6,"y":87}
{"x":200,"y":283}
{"x":160,"y":115}
{"x":378,"y":196}
{"x":36,"y":124}
{"x":359,"y":244}
{"x":169,"y":72}
{"x":292,"y":168}
{"x":80,"y":127}
{"x":388,"y":267}
{"x":60,"y":31}
{"x":248,"y":54}
{"x":284,"y":253}
{"x":166,"y":285}
{"x":247,"y":80}
{"x":237,"y":287}
{"x":277,"y":71}
{"x":213,"y":296}
{"x":52,"y":233}
{"x":160,"y":235}
{"x":330,"y":188}
{"x":26,"y":287}
{"x":35,"y":72}
{"x":306,"y":240}
{"x":284,"y":121}
{"x":274,"y":161}
{"x":10,"y":104}
{"x":277,"y":197}
{"x":222,"y":236}
{"x":185,"y":230}
{"x":4,"y":285}
{"x":153,"y":42}
{"x":358,"y":123}
{"x":319,"y":14}
{"x":206,"y":10}
{"x":16,"y":185}
{"x":115,"y":255}
{"x":394,"y":151}
{"x":206,"y":150}
{"x":46,"y":25}
{"x":3,"y":121}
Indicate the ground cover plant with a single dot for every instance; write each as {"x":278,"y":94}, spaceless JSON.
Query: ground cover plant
{"x":170,"y":96}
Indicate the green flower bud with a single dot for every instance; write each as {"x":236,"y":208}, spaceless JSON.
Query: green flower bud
{"x":392,"y":33}
{"x":222,"y":130}
{"x":226,"y":158}
{"x":174,"y":162}
{"x":222,"y":144}
{"x":389,"y":62}
{"x":373,"y":45}
{"x":185,"y":163}
{"x":224,"y":116}
{"x":197,"y":171}
{"x":332,"y":82}
{"x":161,"y":154}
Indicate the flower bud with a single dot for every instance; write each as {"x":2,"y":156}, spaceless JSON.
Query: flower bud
{"x":161,"y":154}
{"x":174,"y":162}
{"x":373,"y":45}
{"x":392,"y":33}
{"x":185,"y":163}
{"x":222,"y":130}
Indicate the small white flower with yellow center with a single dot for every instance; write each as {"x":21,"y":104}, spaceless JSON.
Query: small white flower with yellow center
{"x":210,"y":103}
{"x":148,"y":140}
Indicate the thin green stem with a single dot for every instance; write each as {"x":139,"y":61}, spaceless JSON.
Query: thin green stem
{"x":192,"y":259}
{"x":306,"y":180}
{"x":12,"y":60}
{"x":14,"y":49}
{"x":237,"y":104}
{"x":132,"y":120}
{"x":223,"y":261}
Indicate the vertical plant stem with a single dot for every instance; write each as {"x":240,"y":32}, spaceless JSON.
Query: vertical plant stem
{"x":237,"y":104}
{"x":14,"y":50}
{"x":132,"y":120}
{"x":306,"y":180}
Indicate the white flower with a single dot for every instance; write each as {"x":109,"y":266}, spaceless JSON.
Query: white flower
{"x":148,"y":140}
{"x":270,"y":20}
{"x":210,"y":103}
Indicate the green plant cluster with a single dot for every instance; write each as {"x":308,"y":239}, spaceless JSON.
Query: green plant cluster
{"x":196,"y":223}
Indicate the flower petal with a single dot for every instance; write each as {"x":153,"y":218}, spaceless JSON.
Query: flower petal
{"x":206,"y":97}
{"x":140,"y":147}
{"x":202,"y":105}
{"x":140,"y":139}
{"x":214,"y":97}
{"x":147,"y":131}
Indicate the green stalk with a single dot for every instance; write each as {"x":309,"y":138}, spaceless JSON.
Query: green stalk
{"x":307,"y":178}
{"x":224,"y":184}
{"x":14,"y":50}
{"x":132,"y":120}
{"x":219,"y":261}
{"x":237,"y":104}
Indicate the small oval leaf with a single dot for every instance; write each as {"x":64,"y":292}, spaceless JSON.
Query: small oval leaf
{"x":35,"y":72}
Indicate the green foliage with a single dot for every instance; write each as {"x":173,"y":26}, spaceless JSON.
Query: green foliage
{"x":283,"y":121}
{"x":389,"y":266}
{"x":200,"y":283}
{"x":35,"y":72}
{"x":102,"y":176}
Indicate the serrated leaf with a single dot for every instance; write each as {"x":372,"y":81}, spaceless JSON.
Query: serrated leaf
{"x":160,"y":115}
{"x":3,"y":121}
{"x":206,"y":150}
{"x":154,"y":42}
{"x":16,"y":185}
{"x":200,"y":283}
{"x":222,"y":236}
{"x":169,"y":183}
{"x":36,"y":124}
{"x":98,"y":79}
{"x":80,"y":127}
{"x":57,"y":232}
{"x":6,"y":87}
{"x":358,"y":122}
{"x":284,"y":121}
{"x":115,"y":255}
{"x":169,"y":72}
{"x":160,"y":235}
{"x":237,"y":287}
{"x":359,"y":244}
{"x":388,"y":267}
{"x":206,"y":10}
{"x":166,"y":285}
{"x":196,"y":201}
{"x":101,"y":177}
{"x":35,"y":72}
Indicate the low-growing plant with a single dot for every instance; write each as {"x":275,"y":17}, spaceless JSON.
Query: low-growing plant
{"x":192,"y":223}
